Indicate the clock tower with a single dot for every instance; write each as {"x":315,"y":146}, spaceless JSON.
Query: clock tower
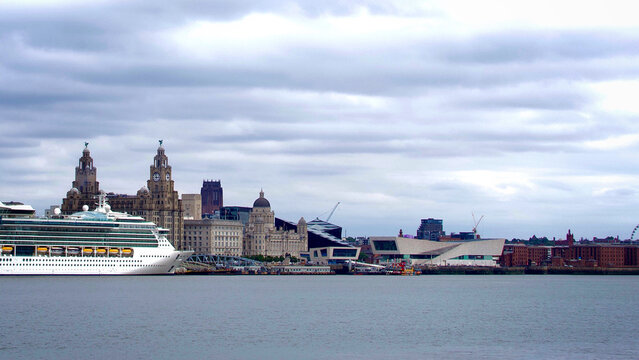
{"x":157,"y":201}
{"x":166,"y":204}
{"x":160,"y":183}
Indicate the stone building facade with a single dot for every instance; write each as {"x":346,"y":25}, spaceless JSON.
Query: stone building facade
{"x":214,"y":236}
{"x":261,"y":237}
{"x":192,"y":206}
{"x":157,"y":201}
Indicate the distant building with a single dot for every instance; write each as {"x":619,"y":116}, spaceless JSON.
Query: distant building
{"x":461,"y":236}
{"x":212,"y":197}
{"x":262,"y":237}
{"x":214,"y":237}
{"x":431,"y":229}
{"x":192,"y":206}
{"x":50,"y":211}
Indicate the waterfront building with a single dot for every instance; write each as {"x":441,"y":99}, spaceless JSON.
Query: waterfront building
{"x":192,"y":204}
{"x":569,"y":253}
{"x":214,"y":236}
{"x":157,"y":202}
{"x":212,"y":197}
{"x":332,"y":255}
{"x":431,"y":229}
{"x":262,"y":237}
{"x":325,"y":244}
{"x":484,"y":252}
{"x":514,"y":255}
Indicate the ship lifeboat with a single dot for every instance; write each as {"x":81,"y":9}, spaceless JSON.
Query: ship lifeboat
{"x":87,"y":251}
{"x":57,"y":250}
{"x":42,"y":250}
{"x":127,"y":252}
{"x":73,"y":251}
{"x":114,"y":252}
{"x":7,"y":249}
{"x":101,"y":251}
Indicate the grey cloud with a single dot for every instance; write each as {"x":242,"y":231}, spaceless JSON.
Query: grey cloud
{"x":543,"y":45}
{"x":367,"y":123}
{"x":618,"y":193}
{"x":529,"y":96}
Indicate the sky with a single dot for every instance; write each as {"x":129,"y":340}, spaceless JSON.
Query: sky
{"x":525,"y":112}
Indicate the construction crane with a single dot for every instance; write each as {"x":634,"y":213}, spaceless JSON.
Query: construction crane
{"x":332,"y":211}
{"x":476,"y":223}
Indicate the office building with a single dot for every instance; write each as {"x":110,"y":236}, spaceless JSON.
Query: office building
{"x":214,"y":236}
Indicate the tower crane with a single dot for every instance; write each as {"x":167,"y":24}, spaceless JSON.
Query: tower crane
{"x":476,"y":223}
{"x":332,"y":211}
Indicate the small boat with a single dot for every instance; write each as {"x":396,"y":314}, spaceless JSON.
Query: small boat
{"x":7,"y":249}
{"x":127,"y":252}
{"x":57,"y":250}
{"x":73,"y":251}
{"x":114,"y":252}
{"x":401,"y":269}
{"x":87,"y":251}
{"x":101,"y":251}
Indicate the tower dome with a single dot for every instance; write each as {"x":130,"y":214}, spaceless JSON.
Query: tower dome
{"x":143,"y":191}
{"x":261,"y":202}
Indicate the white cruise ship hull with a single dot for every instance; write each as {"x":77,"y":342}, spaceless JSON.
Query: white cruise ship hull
{"x":143,"y":262}
{"x":100,"y":242}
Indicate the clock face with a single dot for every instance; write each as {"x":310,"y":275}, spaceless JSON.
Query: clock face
{"x":168,"y":176}
{"x":156,"y":177}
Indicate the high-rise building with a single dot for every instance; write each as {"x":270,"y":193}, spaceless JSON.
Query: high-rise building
{"x":431,"y":229}
{"x":212,"y":196}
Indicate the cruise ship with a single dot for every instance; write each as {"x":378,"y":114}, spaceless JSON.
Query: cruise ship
{"x":99,"y":242}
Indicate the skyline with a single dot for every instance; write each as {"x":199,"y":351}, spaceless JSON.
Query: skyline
{"x":522,"y":112}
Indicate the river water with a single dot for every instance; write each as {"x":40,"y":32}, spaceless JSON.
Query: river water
{"x":320,"y":317}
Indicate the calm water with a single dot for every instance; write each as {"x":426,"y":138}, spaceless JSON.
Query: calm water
{"x":349,"y":317}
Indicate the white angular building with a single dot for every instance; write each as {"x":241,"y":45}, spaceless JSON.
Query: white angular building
{"x":478,"y":252}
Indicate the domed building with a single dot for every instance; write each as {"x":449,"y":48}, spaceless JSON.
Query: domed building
{"x":262,"y":237}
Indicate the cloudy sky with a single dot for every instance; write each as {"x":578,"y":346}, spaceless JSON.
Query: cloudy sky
{"x":525,"y":112}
